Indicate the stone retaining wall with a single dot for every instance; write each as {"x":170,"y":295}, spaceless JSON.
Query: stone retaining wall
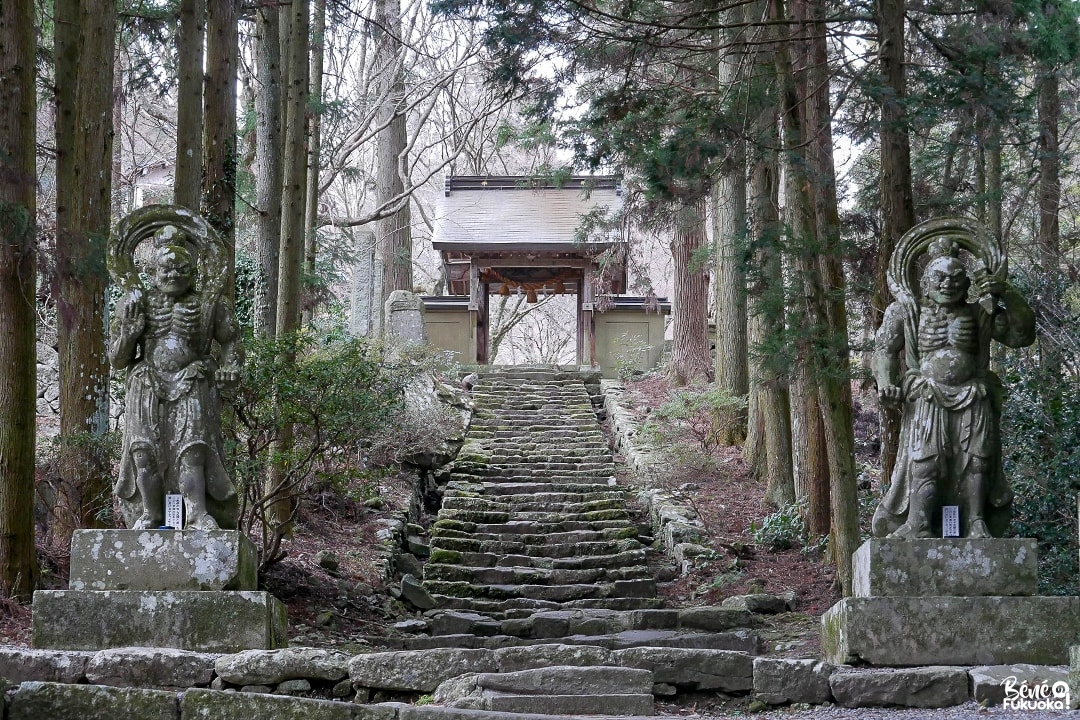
{"x":675,"y":523}
{"x":316,"y":683}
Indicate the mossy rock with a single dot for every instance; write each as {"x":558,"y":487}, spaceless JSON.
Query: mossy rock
{"x":604,"y":515}
{"x":448,"y":524}
{"x":446,"y":557}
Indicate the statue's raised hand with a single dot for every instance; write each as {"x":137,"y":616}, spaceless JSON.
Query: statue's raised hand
{"x":227,"y":376}
{"x":133,"y":313}
{"x":890,"y":394}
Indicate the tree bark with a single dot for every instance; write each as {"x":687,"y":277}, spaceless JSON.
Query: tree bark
{"x":268,"y":167}
{"x":190,"y":34}
{"x":18,"y":283}
{"x":729,"y":233}
{"x":84,"y":82}
{"x":394,"y":232}
{"x":690,"y":360}
{"x":897,"y":199}
{"x":219,"y":112}
{"x":1049,"y":240}
{"x":311,"y":213}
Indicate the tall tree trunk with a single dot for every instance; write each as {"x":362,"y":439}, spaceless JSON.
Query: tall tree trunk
{"x":768,"y":377}
{"x":190,"y":34}
{"x":219,"y":142}
{"x":314,"y":152}
{"x":833,"y":378}
{"x":394,"y":232}
{"x":729,"y":232}
{"x":84,"y":66}
{"x":897,"y":199}
{"x":1049,"y":240}
{"x":268,"y":168}
{"x":690,"y":360}
{"x":18,"y":294}
{"x":292,"y":236}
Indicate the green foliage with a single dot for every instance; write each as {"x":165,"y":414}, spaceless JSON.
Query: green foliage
{"x":693,"y":420}
{"x":1040,"y":427}
{"x":782,"y":530}
{"x":346,"y":400}
{"x":629,"y":356}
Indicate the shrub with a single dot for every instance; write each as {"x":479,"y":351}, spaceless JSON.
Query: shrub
{"x":345,"y":400}
{"x":1040,"y":427}
{"x":782,"y":530}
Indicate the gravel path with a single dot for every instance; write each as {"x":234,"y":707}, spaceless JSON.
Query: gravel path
{"x":970,"y":710}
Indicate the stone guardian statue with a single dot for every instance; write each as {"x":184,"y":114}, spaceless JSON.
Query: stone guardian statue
{"x":177,"y":339}
{"x":932,"y":357}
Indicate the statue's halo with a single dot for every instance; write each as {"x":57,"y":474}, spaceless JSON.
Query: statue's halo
{"x":968,"y":234}
{"x":202,"y":241}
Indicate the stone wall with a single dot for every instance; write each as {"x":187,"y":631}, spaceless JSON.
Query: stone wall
{"x":317,"y":684}
{"x":675,"y":523}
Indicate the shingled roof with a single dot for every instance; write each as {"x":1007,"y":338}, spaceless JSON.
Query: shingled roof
{"x":482,"y":214}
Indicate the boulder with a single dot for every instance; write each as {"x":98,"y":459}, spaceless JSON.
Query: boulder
{"x":781,"y":680}
{"x":714,"y":619}
{"x":154,"y":667}
{"x":761,"y":603}
{"x":412,"y":590}
{"x":924,"y":687}
{"x":269,"y":667}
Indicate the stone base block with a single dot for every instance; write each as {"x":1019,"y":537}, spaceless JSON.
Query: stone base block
{"x":1074,"y":676}
{"x":38,"y":700}
{"x":945,"y":566}
{"x":906,"y":631}
{"x":162,"y":560}
{"x":221,"y":622}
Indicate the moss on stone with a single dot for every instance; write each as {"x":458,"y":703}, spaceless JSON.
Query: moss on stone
{"x":448,"y":557}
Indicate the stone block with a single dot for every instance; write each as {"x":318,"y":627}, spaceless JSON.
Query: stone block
{"x":57,"y":701}
{"x":150,"y":667}
{"x":945,"y":566}
{"x":215,"y":705}
{"x":1074,"y":676}
{"x":270,"y":667}
{"x":23,"y":664}
{"x":714,"y":618}
{"x":925,"y":687}
{"x":988,"y":682}
{"x":221,"y":622}
{"x":906,"y":631}
{"x":697,"y":670}
{"x":512,"y":659}
{"x":416,"y":670}
{"x":641,"y":704}
{"x":162,"y":560}
{"x":569,"y":680}
{"x":781,"y":680}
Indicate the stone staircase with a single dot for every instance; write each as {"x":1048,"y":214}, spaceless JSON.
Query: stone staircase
{"x":538,"y":564}
{"x":532,"y":518}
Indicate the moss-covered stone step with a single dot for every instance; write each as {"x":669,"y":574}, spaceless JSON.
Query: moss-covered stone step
{"x":577,"y":536}
{"x":554,"y":550}
{"x":533,"y":487}
{"x":566,"y":502}
{"x":533,"y":527}
{"x":524,"y":474}
{"x":641,"y":588}
{"x":534,"y":576}
{"x":495,"y":607}
{"x":628,"y":558}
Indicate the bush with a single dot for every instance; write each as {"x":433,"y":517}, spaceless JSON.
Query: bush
{"x":782,"y":530}
{"x":344,"y":398}
{"x":1040,"y":427}
{"x":696,"y":417}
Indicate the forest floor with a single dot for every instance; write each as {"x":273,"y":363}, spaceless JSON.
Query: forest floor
{"x":337,"y":608}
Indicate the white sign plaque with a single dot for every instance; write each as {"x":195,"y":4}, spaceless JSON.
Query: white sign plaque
{"x":174,"y":511}
{"x":950,"y":521}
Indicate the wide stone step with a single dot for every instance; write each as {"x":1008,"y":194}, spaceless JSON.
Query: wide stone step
{"x":490,"y":516}
{"x":525,"y":475}
{"x":532,"y":527}
{"x":490,"y":488}
{"x":555,"y":550}
{"x":643,"y":588}
{"x":516,"y":575}
{"x":497,"y":607}
{"x":578,"y":536}
{"x":628,"y":558}
{"x":563,"y":502}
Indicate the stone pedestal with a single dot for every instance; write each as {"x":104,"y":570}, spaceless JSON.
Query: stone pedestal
{"x":949,"y":602}
{"x":189,"y":589}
